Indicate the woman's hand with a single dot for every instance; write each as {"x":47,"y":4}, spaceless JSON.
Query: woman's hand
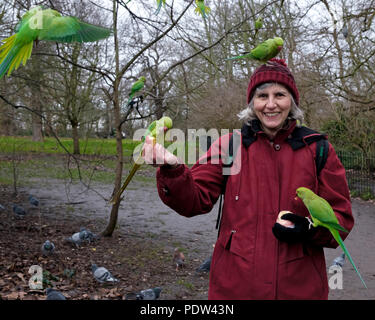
{"x":156,"y":155}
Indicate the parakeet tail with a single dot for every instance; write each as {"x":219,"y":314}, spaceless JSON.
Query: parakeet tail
{"x":236,"y":57}
{"x":337,"y":237}
{"x":117,"y":196}
{"x":11,"y":56}
{"x":158,"y":8}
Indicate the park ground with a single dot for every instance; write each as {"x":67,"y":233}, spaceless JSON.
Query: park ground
{"x":140,"y":251}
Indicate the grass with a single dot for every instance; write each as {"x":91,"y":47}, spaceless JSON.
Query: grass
{"x":48,"y":160}
{"x":95,"y":147}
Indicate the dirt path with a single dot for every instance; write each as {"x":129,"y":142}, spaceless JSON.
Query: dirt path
{"x":143,"y":214}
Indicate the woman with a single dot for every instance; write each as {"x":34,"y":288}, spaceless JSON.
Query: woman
{"x":258,"y":256}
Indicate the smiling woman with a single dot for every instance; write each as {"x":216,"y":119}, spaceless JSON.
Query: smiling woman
{"x":258,"y":255}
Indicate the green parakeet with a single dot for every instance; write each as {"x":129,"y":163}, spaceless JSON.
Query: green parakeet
{"x":137,"y":86}
{"x":264,"y":51}
{"x":153,"y":130}
{"x":44,"y":24}
{"x":322,"y":215}
{"x":159,"y":3}
{"x":201,"y":8}
{"x":258,"y":23}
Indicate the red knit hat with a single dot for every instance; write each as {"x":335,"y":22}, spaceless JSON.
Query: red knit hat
{"x":276,"y":70}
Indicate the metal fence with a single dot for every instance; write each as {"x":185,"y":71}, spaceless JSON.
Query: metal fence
{"x":360,"y":173}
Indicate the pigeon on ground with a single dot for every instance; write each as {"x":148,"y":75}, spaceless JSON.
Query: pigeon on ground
{"x":48,"y":248}
{"x":75,"y":239}
{"x":205,"y":266}
{"x":339,"y":261}
{"x":102,"y":275}
{"x":149,"y":294}
{"x":34,"y":201}
{"x":87,"y":235}
{"x":2,"y":207}
{"x":178,"y":258}
{"x":54,"y":294}
{"x":19,"y":211}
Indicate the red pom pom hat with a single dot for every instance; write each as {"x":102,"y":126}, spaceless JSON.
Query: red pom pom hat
{"x":276,"y":70}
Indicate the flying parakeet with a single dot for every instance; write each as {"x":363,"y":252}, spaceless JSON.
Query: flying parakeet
{"x":264,"y":51}
{"x":44,"y":24}
{"x":322,"y":215}
{"x":159,"y":3}
{"x":201,"y":8}
{"x":137,"y":86}
{"x":153,"y":129}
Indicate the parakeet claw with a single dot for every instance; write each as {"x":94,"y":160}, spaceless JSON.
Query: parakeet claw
{"x":310,"y":222}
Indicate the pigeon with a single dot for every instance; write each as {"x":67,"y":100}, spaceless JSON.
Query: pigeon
{"x":19,"y":211}
{"x":54,"y":294}
{"x":147,"y":294}
{"x":178,"y":258}
{"x":48,"y":248}
{"x":74,"y":239}
{"x":87,"y":235}
{"x":339,"y":261}
{"x":2,"y":207}
{"x":34,"y":201}
{"x":102,"y":275}
{"x":205,"y":266}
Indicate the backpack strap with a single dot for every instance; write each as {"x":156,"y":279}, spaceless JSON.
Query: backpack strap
{"x":229,"y":163}
{"x":321,"y":155}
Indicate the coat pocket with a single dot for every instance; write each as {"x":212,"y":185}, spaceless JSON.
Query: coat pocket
{"x":233,"y":242}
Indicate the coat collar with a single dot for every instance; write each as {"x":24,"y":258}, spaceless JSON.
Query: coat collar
{"x":250,"y":132}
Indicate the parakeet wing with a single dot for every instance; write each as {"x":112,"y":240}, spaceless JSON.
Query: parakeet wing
{"x":69,"y":29}
{"x":321,"y":210}
{"x":138,"y":85}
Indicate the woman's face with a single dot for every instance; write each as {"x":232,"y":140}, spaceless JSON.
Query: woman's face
{"x":272,"y":106}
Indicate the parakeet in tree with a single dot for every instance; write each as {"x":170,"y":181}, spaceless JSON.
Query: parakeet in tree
{"x":164,"y":123}
{"x":258,"y":24}
{"x":159,"y":3}
{"x":201,"y":8}
{"x":264,"y":51}
{"x":44,"y":24}
{"x":322,"y":215}
{"x":137,"y":86}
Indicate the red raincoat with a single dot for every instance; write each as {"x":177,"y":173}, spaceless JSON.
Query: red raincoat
{"x":248,"y":261}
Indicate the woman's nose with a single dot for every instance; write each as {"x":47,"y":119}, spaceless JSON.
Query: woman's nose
{"x":271,"y":103}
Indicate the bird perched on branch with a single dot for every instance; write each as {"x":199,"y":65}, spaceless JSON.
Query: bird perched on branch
{"x":137,"y":86}
{"x":40,"y":23}
{"x":264,"y":51}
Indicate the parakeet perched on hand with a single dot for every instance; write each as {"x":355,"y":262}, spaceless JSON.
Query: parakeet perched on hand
{"x":164,"y":123}
{"x":322,"y":215}
{"x":44,"y":24}
{"x":264,"y":51}
{"x":201,"y":8}
{"x":159,"y":3}
{"x":137,"y":86}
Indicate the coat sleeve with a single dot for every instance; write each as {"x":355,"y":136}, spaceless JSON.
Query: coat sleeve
{"x":333,"y":186}
{"x":193,"y":191}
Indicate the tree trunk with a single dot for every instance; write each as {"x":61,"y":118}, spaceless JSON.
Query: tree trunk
{"x":117,"y":118}
{"x":75,"y":137}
